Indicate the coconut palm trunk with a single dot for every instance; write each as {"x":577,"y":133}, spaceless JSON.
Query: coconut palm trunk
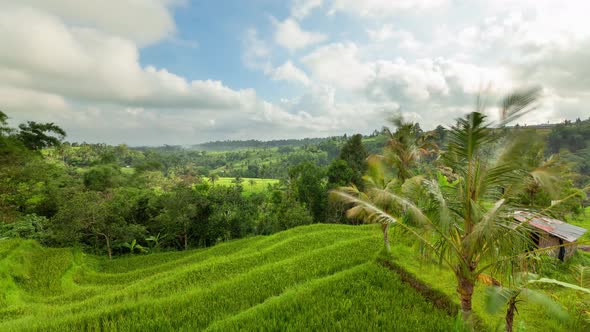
{"x":465,"y":290}
{"x":385,"y":228}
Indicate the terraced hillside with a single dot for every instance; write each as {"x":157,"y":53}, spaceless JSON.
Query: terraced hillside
{"x":307,"y":278}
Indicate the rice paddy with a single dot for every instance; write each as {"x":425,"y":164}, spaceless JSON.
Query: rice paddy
{"x":250,"y":185}
{"x":319,"y":277}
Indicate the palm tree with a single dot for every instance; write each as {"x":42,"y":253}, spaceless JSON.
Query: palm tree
{"x":403,"y":150}
{"x":213,"y":177}
{"x":406,"y":146}
{"x":377,"y":180}
{"x":468,"y":224}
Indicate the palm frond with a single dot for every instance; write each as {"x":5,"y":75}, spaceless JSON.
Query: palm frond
{"x":518,"y":103}
{"x":370,"y":212}
{"x":582,"y":275}
{"x":467,"y":136}
{"x":560,"y":283}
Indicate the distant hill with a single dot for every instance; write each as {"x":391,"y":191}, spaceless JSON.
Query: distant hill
{"x":231,"y":145}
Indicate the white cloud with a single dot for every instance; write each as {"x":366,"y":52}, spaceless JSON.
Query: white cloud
{"x":289,"y":72}
{"x":302,"y":8}
{"x":42,"y":53}
{"x":416,"y":81}
{"x":338,"y":64}
{"x":319,"y":99}
{"x":472,"y":79}
{"x":143,"y":22}
{"x":402,"y":38}
{"x":23,"y":100}
{"x":256,"y":51}
{"x":79,"y":63}
{"x":290,"y":35}
{"x":423,"y":87}
{"x":381,"y":8}
{"x":91,"y":82}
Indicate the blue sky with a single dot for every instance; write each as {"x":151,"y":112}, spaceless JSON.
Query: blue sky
{"x":208,"y":41}
{"x":156,"y":72}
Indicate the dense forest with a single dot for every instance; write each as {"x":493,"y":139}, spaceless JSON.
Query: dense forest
{"x":105,"y":197}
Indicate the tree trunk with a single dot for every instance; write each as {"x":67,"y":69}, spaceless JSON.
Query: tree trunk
{"x":465,"y":290}
{"x":385,"y":228}
{"x":95,"y":244}
{"x":510,"y":314}
{"x":109,"y":250}
{"x":185,"y":237}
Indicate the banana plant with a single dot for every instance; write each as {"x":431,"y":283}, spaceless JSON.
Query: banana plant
{"x":134,"y":246}
{"x":155,"y":240}
{"x":523,"y":288}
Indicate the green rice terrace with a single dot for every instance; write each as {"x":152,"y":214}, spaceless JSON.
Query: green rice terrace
{"x":329,"y":277}
{"x":250,"y":185}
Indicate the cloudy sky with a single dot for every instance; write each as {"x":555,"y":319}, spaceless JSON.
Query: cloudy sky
{"x":150,"y":72}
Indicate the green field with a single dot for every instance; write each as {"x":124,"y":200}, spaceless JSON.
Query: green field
{"x":318,"y":277}
{"x":258,"y":185}
{"x":583,"y":221}
{"x":315,"y":277}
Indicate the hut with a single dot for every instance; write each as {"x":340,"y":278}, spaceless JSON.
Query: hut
{"x":552,"y":232}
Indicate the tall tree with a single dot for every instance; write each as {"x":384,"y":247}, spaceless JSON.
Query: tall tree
{"x":37,"y":136}
{"x":94,"y":217}
{"x":183,"y":210}
{"x":468,"y":225}
{"x":103,"y":177}
{"x":4,"y":129}
{"x":354,"y":154}
{"x":307,"y":182}
{"x":406,"y":146}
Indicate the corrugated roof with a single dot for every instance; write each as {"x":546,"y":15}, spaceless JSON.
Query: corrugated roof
{"x":555,"y":227}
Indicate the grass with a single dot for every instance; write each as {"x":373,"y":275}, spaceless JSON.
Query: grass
{"x":251,"y":185}
{"x":583,"y":221}
{"x":308,"y":278}
{"x":530,"y":317}
{"x":317,"y":277}
{"x":128,"y":170}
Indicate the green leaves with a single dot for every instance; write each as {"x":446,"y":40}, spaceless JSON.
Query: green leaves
{"x":582,"y":275}
{"x":466,"y":138}
{"x":560,"y":283}
{"x":30,"y":226}
{"x":36,"y":136}
{"x":134,"y":246}
{"x":4,"y":129}
{"x":466,"y":220}
{"x":497,"y":297}
{"x":406,"y":147}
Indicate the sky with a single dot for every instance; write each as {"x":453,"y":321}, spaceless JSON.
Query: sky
{"x":154,"y":72}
